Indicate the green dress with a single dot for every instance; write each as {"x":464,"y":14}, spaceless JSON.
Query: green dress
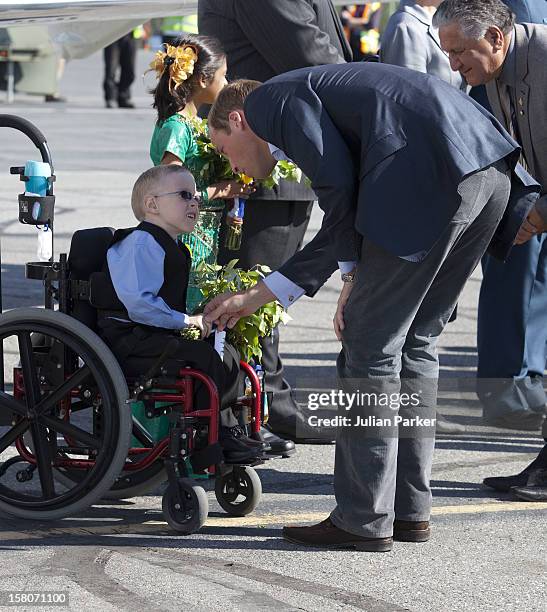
{"x":176,"y":135}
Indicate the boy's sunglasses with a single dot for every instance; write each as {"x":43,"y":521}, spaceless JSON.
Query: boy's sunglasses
{"x":185,"y":195}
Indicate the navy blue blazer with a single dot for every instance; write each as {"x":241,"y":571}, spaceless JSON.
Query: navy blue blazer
{"x":385,"y":149}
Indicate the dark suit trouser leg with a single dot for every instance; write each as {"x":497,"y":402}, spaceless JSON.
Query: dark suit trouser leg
{"x":128,"y":54}
{"x":111,"y":63}
{"x":394,"y":316}
{"x":512,"y":332}
{"x":272,"y":232}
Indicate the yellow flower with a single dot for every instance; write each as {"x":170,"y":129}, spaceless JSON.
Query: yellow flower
{"x":244,"y":179}
{"x":180,"y":61}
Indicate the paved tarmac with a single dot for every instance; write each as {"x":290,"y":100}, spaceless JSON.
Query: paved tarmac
{"x":487,"y":553}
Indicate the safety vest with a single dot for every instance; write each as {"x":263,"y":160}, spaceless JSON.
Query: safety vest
{"x":175,"y":26}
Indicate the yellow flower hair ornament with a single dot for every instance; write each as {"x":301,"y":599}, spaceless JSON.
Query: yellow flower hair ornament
{"x":179,"y":61}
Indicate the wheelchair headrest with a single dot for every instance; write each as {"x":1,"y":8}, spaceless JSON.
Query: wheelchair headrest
{"x":88,"y":251}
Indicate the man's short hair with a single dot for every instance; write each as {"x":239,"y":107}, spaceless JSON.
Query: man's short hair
{"x":231,"y":98}
{"x":475,"y":16}
{"x":148,"y":183}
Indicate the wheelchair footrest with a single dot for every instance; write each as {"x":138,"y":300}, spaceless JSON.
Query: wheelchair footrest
{"x":210,"y":455}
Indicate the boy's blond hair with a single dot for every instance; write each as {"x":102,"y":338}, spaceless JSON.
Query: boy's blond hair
{"x":149,"y":183}
{"x":231,"y":98}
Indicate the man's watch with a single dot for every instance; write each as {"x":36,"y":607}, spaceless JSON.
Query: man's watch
{"x":348,"y":277}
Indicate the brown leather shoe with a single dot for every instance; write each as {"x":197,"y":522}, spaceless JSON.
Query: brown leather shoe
{"x":327,"y":535}
{"x":411,"y":531}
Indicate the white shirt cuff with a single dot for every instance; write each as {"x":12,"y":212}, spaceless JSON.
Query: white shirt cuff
{"x":181,"y":319}
{"x":346,"y":266}
{"x":284,"y":289}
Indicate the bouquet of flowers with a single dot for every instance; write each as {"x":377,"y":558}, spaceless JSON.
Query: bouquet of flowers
{"x":245,"y":335}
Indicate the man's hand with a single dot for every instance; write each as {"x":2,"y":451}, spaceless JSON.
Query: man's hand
{"x":338,"y":320}
{"x":226,"y":309}
{"x":533,"y":224}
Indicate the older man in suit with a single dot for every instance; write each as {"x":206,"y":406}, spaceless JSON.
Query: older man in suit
{"x":261,"y":40}
{"x":366,"y":135}
{"x":485,"y":46}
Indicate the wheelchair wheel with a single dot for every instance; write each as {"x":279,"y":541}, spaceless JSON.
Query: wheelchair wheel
{"x":238,"y":491}
{"x":68,"y":398}
{"x":190,"y":516}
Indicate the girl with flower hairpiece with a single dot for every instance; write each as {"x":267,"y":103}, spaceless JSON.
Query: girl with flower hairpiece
{"x":191,"y":72}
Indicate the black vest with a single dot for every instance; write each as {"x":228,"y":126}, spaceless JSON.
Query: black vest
{"x":176,"y":271}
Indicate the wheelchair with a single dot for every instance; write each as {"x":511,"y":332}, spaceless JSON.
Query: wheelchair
{"x":75,"y":430}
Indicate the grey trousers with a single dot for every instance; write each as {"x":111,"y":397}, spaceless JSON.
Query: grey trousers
{"x":393,"y":318}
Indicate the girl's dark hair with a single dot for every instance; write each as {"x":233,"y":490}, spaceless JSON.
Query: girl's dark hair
{"x":210,"y":56}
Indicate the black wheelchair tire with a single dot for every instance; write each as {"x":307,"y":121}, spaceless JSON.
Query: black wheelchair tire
{"x":241,"y":480}
{"x":191,"y":519}
{"x":114,"y":381}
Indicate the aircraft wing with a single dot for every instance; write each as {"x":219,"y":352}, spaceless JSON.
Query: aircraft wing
{"x":78,"y":28}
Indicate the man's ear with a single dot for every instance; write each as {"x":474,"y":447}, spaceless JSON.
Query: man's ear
{"x":495,"y":37}
{"x":236,"y":119}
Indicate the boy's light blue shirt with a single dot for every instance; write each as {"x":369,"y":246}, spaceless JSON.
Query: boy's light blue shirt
{"x":136,"y":269}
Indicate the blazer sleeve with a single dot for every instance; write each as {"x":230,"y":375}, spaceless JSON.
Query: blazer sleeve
{"x":296,"y":121}
{"x":405,"y":46}
{"x":286,"y":34}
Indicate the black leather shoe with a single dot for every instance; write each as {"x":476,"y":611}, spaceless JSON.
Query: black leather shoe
{"x":326,"y":535}
{"x":237,"y":447}
{"x":54,"y":98}
{"x":298,"y":429}
{"x":535,"y":489}
{"x":125,"y":104}
{"x":278,"y":446}
{"x":526,"y":421}
{"x":504,"y":483}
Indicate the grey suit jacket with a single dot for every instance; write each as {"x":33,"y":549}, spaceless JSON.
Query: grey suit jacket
{"x":530,"y":83}
{"x":411,"y":41}
{"x":385,"y":148}
{"x":264,"y":38}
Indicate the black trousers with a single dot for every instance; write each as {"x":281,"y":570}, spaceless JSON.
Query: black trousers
{"x":273,"y":230}
{"x":121,"y":55}
{"x":137,"y":348}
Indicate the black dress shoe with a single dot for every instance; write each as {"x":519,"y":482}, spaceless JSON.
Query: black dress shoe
{"x":239,"y":448}
{"x":298,"y":429}
{"x":54,"y":98}
{"x":278,"y":446}
{"x":535,"y":489}
{"x":504,"y":483}
{"x":326,"y":535}
{"x":125,"y":104}
{"x":525,"y":421}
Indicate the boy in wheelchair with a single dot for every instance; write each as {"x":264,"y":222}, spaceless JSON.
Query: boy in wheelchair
{"x":143,"y":299}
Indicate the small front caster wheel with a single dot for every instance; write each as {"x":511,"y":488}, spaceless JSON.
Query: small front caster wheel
{"x":238,"y":491}
{"x":186,"y":513}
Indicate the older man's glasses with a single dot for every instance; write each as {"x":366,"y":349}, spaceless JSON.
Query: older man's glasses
{"x":185,"y":195}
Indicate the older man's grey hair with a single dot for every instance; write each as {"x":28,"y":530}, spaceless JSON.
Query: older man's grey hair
{"x":474,"y":16}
